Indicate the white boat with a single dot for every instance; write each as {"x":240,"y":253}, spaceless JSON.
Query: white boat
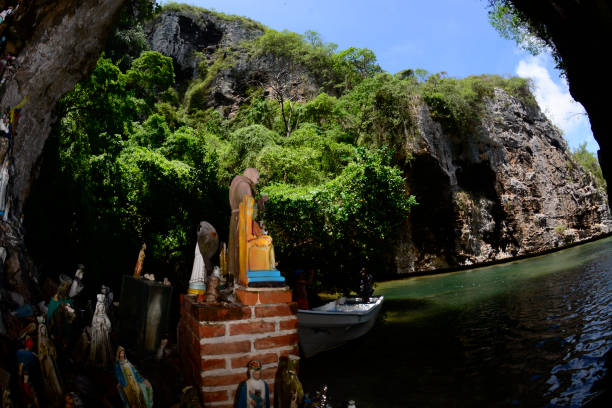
{"x":333,"y":324}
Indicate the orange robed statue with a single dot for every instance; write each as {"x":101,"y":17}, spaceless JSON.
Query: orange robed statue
{"x":251,"y":254}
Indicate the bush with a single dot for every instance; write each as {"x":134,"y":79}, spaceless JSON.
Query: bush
{"x":342,"y":225}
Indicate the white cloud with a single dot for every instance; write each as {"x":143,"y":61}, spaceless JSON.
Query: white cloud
{"x":557,"y":103}
{"x":554,"y":100}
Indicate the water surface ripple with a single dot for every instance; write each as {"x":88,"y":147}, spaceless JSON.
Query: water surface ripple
{"x":532,"y":333}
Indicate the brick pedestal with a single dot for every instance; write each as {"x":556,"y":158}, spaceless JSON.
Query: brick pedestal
{"x":216,"y":342}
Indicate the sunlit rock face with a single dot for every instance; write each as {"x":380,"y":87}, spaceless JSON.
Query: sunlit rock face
{"x":510,"y":189}
{"x":59,"y":43}
{"x":581,"y":32}
{"x":206,"y":47}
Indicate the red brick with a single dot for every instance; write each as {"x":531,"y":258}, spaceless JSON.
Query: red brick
{"x":288,"y":324}
{"x":269,"y":373}
{"x":214,"y":396}
{"x":276,"y":310}
{"x":211,"y":330}
{"x":216,"y":313}
{"x":226,"y":348}
{"x":227,"y":379}
{"x":241,"y":362}
{"x":247,"y":297}
{"x":276,"y":341}
{"x":212,"y":363}
{"x":251,"y":327}
{"x":275,"y":296}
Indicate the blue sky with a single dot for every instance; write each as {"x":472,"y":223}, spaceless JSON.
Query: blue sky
{"x":443,"y":35}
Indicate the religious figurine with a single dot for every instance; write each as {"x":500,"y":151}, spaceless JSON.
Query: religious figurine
{"x":288,"y":392}
{"x":208,"y":243}
{"x":140,"y":261}
{"x":100,"y":352}
{"x":60,"y":313}
{"x":26,"y":363}
{"x":241,"y":186}
{"x":77,"y":282}
{"x":135,"y":391}
{"x":4,"y":180}
{"x":251,"y":254}
{"x":253,"y":393}
{"x":197,"y":282}
{"x":212,"y":289}
{"x":47,"y":358}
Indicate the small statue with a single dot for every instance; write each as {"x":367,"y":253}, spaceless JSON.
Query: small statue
{"x":212,"y":289}
{"x":253,"y":393}
{"x":100,"y":350}
{"x":4,"y":181}
{"x":47,"y":358}
{"x":77,"y":283}
{"x":140,"y":261}
{"x":288,"y":392}
{"x":197,"y":282}
{"x":135,"y":390}
{"x":60,"y":313}
{"x":167,"y":282}
{"x":208,"y":243}
{"x":26,"y":363}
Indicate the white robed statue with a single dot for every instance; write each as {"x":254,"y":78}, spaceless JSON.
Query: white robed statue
{"x":100,"y":352}
{"x":197,"y":283}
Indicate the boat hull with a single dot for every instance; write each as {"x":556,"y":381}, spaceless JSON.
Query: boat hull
{"x":334,"y":324}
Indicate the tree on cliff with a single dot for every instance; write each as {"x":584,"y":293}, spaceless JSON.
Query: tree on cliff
{"x":574,"y":32}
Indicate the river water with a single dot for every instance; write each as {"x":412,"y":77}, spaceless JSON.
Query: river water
{"x":530,"y":333}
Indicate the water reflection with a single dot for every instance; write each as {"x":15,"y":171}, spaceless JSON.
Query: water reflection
{"x":529,"y":333}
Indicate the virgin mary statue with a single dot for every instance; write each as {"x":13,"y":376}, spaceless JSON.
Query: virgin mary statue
{"x":100,"y":352}
{"x":135,"y":390}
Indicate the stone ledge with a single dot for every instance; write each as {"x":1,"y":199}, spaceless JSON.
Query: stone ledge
{"x":257,"y":296}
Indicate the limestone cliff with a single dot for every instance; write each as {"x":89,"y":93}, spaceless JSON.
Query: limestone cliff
{"x":57,"y":42}
{"x":511,"y":190}
{"x":200,"y":43}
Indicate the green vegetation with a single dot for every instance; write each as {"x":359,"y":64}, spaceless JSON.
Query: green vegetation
{"x":533,"y":36}
{"x":197,"y":11}
{"x":137,"y":161}
{"x":589,"y":162}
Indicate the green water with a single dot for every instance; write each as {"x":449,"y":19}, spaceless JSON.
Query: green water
{"x":527,"y":333}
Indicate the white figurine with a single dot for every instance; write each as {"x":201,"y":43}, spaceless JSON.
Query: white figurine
{"x":100,"y":352}
{"x":77,"y":283}
{"x":197,"y":283}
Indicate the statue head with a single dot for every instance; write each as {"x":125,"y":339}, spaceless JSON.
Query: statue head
{"x":252,"y":174}
{"x":120,"y":354}
{"x":254,"y":369}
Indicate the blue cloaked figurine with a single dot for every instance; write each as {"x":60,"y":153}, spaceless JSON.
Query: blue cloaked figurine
{"x":253,"y":393}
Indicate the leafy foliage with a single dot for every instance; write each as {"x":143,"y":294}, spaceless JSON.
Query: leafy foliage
{"x":343,"y":224}
{"x":139,"y":161}
{"x":589,"y":162}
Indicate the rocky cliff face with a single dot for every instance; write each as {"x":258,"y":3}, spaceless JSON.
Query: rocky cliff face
{"x":511,"y":190}
{"x":59,"y":43}
{"x":580,"y":32}
{"x":195,"y":39}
